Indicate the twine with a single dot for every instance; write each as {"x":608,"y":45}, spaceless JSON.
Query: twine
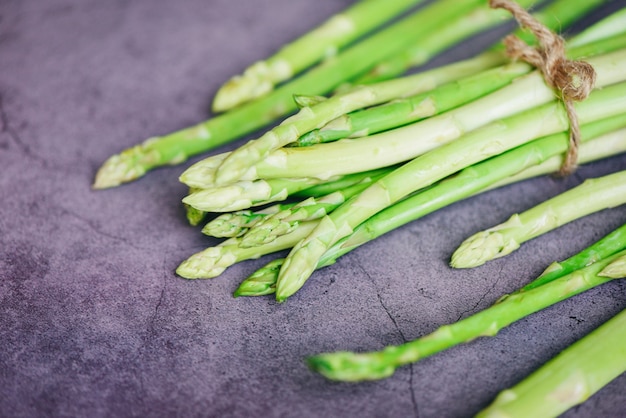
{"x":573,"y":80}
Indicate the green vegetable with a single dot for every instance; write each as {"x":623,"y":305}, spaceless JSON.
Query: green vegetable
{"x":319,"y":43}
{"x":235,"y":224}
{"x":556,"y":16}
{"x":571,"y":377}
{"x":609,"y":245}
{"x":349,"y":366}
{"x":175,"y":148}
{"x":540,"y":157}
{"x":426,"y":169}
{"x":591,"y":196}
{"x":237,"y":163}
{"x":309,"y":209}
{"x":212,"y":261}
{"x":398,"y":145}
{"x":245,"y":194}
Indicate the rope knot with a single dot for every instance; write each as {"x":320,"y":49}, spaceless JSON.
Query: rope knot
{"x":574,"y":80}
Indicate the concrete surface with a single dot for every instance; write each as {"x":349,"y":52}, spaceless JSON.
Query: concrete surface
{"x":93,"y":321}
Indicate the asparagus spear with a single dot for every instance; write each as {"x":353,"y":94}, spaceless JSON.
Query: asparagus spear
{"x":404,"y":111}
{"x":309,"y":118}
{"x":176,"y":147}
{"x":591,"y":196}
{"x":556,"y":16}
{"x":310,"y":209}
{"x":400,"y":144}
{"x":610,"y":244}
{"x":244,"y":194}
{"x":546,"y":153}
{"x":212,"y":261}
{"x":446,"y":97}
{"x":425,"y":170}
{"x":571,"y":377}
{"x":349,"y":366}
{"x":321,"y":42}
{"x":235,"y":224}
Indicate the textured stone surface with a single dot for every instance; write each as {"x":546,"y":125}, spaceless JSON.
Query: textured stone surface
{"x":93,"y":321}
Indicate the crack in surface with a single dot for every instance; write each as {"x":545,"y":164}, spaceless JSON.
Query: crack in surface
{"x":15,"y":137}
{"x":94,"y":227}
{"x":404,"y":339}
{"x":480,"y":300}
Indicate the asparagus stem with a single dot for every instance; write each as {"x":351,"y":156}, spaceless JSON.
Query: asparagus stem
{"x":309,"y":118}
{"x":398,"y":145}
{"x":235,"y":224}
{"x":613,"y":24}
{"x":321,"y":42}
{"x":591,"y":196}
{"x":609,"y":245}
{"x":446,"y":97}
{"x":261,"y":282}
{"x":402,"y":112}
{"x":476,"y":179}
{"x":245,"y":194}
{"x":556,"y":16}
{"x":349,"y":366}
{"x":175,"y":148}
{"x":425,"y":170}
{"x":212,"y":261}
{"x":312,"y":208}
{"x":570,"y":378}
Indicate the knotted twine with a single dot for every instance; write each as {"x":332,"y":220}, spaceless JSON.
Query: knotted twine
{"x":573,"y":80}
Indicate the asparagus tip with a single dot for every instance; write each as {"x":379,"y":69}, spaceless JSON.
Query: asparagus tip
{"x":480,"y":248}
{"x":616,"y":269}
{"x":118,"y":169}
{"x":349,"y":367}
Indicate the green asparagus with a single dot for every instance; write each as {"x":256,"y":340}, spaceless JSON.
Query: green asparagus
{"x":425,"y":170}
{"x":212,"y":261}
{"x":321,"y":42}
{"x":398,"y":145}
{"x":545,"y":153}
{"x":349,"y":366}
{"x":591,"y":196}
{"x":570,"y":378}
{"x":177,"y":147}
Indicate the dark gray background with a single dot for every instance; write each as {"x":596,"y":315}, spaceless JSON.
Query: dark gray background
{"x":93,"y":321}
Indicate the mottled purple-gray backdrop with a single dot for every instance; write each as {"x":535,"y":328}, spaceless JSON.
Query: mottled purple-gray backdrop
{"x":93,"y":321}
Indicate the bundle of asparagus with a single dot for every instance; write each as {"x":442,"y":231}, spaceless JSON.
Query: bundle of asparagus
{"x":459,"y":124}
{"x":567,"y":380}
{"x":359,"y":51}
{"x":380,"y":151}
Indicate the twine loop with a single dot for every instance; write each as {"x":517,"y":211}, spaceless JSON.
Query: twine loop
{"x":573,"y":80}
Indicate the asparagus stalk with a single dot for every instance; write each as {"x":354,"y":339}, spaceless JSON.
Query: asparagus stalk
{"x":309,"y":118}
{"x":212,"y":261}
{"x":245,"y":194}
{"x":235,"y":224}
{"x":468,"y":182}
{"x":425,"y":170}
{"x":342,"y":182}
{"x":556,"y":16}
{"x":350,"y":366}
{"x":611,"y":25}
{"x":404,"y":111}
{"x":591,"y":196}
{"x":610,"y":244}
{"x":448,"y":96}
{"x":321,"y":42}
{"x":571,"y":377}
{"x":400,"y":144}
{"x":312,"y":208}
{"x":176,"y":147}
